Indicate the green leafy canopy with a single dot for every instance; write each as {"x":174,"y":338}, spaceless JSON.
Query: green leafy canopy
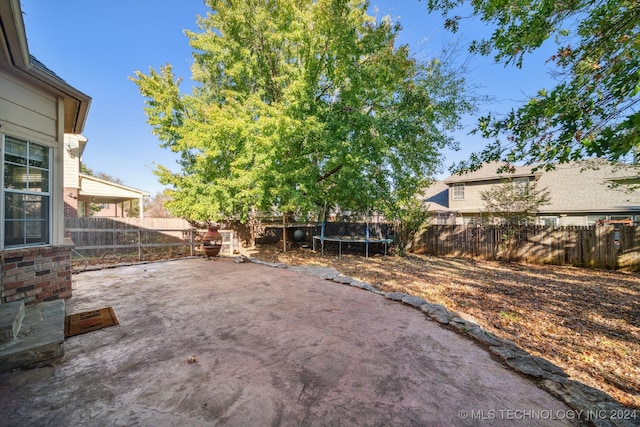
{"x":299,"y":104}
{"x":593,"y":109}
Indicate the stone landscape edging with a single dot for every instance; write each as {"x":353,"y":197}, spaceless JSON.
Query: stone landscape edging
{"x":597,"y":407}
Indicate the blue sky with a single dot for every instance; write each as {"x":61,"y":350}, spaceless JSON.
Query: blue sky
{"x":97,"y":45}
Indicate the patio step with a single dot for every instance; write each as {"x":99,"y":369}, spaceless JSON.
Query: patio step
{"x":39,"y":339}
{"x":11,"y":315}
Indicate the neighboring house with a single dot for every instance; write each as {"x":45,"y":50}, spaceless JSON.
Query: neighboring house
{"x":82,"y":190}
{"x":37,"y":108}
{"x":579,"y":195}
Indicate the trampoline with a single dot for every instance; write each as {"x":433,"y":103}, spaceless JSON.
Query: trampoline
{"x":340,"y":240}
{"x":350,"y":233}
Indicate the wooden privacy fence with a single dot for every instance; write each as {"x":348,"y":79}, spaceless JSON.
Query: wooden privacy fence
{"x":609,"y":247}
{"x":97,"y":237}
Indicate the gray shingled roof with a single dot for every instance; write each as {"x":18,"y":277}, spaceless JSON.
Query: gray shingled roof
{"x":437,"y":196}
{"x":489,"y":172}
{"x":35,"y":63}
{"x":576,"y":189}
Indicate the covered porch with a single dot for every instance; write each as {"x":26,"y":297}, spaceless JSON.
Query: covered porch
{"x":117,"y":200}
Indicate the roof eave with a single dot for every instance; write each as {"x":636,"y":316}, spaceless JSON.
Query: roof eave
{"x":462,"y":179}
{"x":113,"y":184}
{"x":16,"y":55}
{"x":74,"y":99}
{"x":13,"y":33}
{"x":589,"y":211}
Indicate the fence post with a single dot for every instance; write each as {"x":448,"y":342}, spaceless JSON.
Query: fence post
{"x":139,"y":243}
{"x":191,"y":241}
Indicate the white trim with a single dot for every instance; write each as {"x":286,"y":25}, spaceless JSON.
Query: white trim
{"x":457,"y":186}
{"x":113,"y":185}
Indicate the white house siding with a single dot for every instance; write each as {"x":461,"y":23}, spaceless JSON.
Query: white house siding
{"x":31,"y":113}
{"x":587,"y":220}
{"x":472,"y":196}
{"x":27,"y":112}
{"x":572,"y":220}
{"x":71,"y":162}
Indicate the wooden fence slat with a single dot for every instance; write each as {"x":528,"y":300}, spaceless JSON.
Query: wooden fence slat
{"x":607,"y":247}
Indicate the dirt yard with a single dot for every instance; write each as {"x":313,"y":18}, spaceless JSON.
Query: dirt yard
{"x":585,"y":321}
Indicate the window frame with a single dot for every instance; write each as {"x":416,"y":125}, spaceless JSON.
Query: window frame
{"x":549,"y":221}
{"x":456,"y":189}
{"x":521,"y":183}
{"x":44,"y":220}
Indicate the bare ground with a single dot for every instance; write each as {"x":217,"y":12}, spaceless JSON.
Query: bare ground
{"x":583,"y":320}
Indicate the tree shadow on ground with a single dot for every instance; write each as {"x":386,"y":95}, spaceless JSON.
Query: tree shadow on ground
{"x":586,"y":321}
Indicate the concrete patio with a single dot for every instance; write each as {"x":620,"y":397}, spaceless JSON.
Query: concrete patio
{"x":215,"y":342}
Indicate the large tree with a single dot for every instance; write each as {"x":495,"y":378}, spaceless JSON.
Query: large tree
{"x":300,"y":104}
{"x":154,"y":207}
{"x":593,"y":108}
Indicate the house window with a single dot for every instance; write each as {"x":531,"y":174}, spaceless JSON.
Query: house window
{"x":621,"y":217}
{"x":458,"y":191}
{"x":548,"y":221}
{"x":521,"y":184}
{"x":592,"y":219}
{"x":26,"y":193}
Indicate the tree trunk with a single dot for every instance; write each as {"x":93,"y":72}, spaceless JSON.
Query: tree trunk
{"x":284,"y":232}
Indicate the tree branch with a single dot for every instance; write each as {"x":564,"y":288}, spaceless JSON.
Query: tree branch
{"x":328,"y":174}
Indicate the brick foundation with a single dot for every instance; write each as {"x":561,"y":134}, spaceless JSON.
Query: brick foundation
{"x":36,"y":274}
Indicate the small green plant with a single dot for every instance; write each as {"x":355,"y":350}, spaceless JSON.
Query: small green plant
{"x":511,"y":316}
{"x":411,"y":217}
